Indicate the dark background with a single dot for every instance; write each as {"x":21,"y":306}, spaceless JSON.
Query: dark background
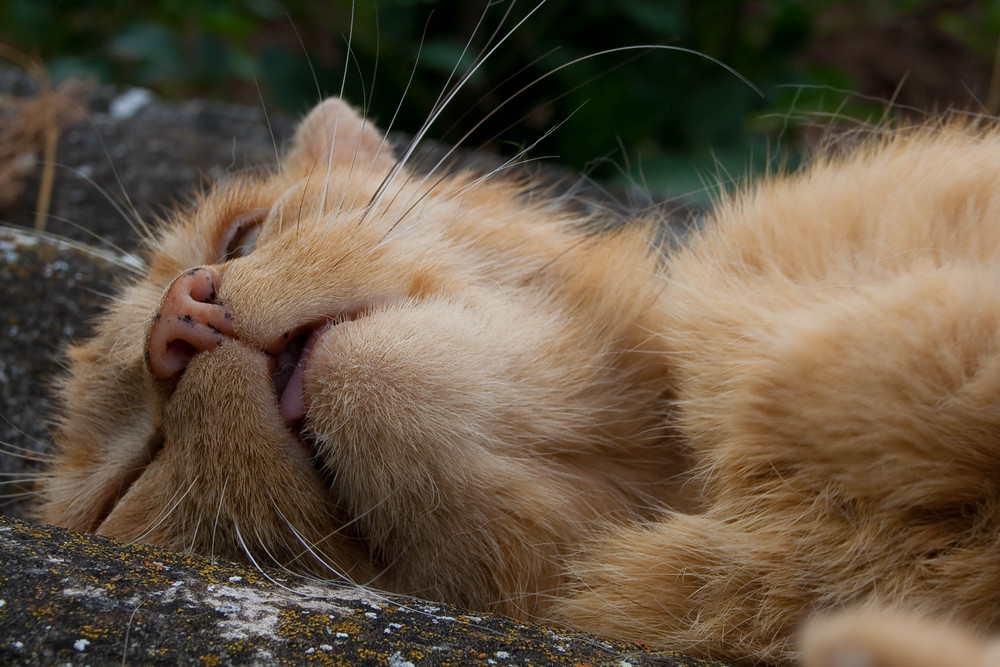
{"x":665,"y":120}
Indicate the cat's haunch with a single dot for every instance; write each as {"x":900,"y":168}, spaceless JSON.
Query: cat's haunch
{"x":444,"y":386}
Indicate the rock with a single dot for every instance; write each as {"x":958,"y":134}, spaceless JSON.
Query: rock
{"x":75,"y":599}
{"x":53,"y":287}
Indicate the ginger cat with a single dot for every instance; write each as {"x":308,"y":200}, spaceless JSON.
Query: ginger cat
{"x":444,"y":386}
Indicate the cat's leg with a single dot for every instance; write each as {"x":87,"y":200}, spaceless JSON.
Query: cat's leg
{"x":887,"y":639}
{"x":850,"y":451}
{"x":690,"y":583}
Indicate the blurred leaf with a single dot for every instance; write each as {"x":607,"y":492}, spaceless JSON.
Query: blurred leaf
{"x":673,"y":108}
{"x":655,"y":16}
{"x":79,"y":67}
{"x":145,"y":41}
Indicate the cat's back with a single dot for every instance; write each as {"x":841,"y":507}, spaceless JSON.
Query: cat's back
{"x":848,"y":316}
{"x":902,"y":199}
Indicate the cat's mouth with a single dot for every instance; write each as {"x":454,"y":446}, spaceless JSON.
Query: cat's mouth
{"x":290,"y":363}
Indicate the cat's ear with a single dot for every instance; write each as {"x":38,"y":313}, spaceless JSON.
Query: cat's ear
{"x":334,"y":132}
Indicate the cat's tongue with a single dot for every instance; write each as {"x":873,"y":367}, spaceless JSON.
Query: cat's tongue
{"x":292,"y":402}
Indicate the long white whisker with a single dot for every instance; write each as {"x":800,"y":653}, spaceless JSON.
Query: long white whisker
{"x":422,"y":132}
{"x":126,"y":260}
{"x":263,"y":573}
{"x":133,"y":220}
{"x":24,"y":453}
{"x":218,"y":513}
{"x":343,"y":83}
{"x":513,"y":161}
{"x":267,"y":119}
{"x":309,"y":547}
{"x":555,"y":70}
{"x":162,"y":516}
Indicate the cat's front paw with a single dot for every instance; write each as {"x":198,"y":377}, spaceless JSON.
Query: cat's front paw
{"x":865,"y":638}
{"x":689,"y":583}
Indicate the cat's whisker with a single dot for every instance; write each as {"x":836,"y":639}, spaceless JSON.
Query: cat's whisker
{"x":25,"y":453}
{"x":132,"y":217}
{"x":193,"y":540}
{"x":390,"y":177}
{"x":425,"y":190}
{"x":555,"y":70}
{"x":340,"y":574}
{"x":17,"y":496}
{"x":367,"y":99}
{"x":436,"y":112}
{"x":125,"y":260}
{"x":218,"y":514}
{"x":257,"y":566}
{"x":333,"y":136}
{"x":267,"y":118}
{"x":19,"y":477}
{"x":172,"y":504}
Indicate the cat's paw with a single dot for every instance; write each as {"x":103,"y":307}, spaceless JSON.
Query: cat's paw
{"x":892,"y":639}
{"x":688,"y":583}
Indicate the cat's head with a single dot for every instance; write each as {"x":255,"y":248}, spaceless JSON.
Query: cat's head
{"x":437,"y":383}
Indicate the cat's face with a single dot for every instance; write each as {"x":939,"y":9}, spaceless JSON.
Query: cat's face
{"x":432,"y":383}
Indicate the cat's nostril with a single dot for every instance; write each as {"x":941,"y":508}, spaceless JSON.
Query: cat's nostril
{"x":190,"y":320}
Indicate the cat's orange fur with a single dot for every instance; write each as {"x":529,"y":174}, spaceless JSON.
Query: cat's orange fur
{"x":799,"y":411}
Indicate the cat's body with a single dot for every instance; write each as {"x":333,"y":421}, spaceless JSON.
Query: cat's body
{"x":482,"y":404}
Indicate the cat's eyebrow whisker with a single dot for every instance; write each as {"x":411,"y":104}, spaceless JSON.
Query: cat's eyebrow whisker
{"x":387,"y":237}
{"x":513,"y":161}
{"x":555,"y":70}
{"x":367,"y":98}
{"x":329,"y":162}
{"x":443,"y":104}
{"x":509,"y":164}
{"x":397,"y":167}
{"x":333,"y":135}
{"x":390,"y":177}
{"x":267,"y":118}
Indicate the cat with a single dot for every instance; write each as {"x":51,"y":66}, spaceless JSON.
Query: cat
{"x":449,"y":386}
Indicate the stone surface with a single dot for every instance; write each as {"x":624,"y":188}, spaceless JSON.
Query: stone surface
{"x":52,"y":289}
{"x":72,"y":599}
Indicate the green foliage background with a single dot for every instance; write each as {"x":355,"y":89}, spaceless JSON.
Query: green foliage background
{"x":666,"y":119}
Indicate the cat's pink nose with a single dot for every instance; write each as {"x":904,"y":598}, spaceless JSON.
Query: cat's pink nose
{"x":190,"y":320}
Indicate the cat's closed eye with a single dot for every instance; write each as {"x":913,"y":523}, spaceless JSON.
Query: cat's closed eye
{"x":241,"y":238}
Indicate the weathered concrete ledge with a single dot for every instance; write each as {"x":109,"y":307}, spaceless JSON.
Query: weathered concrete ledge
{"x":74,"y":599}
